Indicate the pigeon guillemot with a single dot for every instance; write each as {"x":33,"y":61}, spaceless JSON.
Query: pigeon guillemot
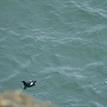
{"x":29,"y":83}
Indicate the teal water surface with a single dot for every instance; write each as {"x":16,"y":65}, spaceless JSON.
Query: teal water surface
{"x":60,"y":43}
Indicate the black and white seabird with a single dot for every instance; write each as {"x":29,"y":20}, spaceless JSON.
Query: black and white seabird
{"x":28,"y":84}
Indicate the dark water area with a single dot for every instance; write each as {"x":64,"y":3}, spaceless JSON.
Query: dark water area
{"x":60,"y":43}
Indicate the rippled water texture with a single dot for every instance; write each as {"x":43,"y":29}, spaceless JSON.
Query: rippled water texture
{"x":60,"y":43}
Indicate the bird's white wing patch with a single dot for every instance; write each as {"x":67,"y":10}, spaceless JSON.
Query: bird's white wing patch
{"x":31,"y":83}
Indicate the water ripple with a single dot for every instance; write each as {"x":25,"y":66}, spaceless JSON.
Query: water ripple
{"x":10,"y":76}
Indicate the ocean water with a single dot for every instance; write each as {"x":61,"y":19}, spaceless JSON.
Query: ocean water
{"x":60,"y":43}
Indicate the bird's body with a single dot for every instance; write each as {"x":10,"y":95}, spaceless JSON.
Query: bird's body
{"x":28,"y":84}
